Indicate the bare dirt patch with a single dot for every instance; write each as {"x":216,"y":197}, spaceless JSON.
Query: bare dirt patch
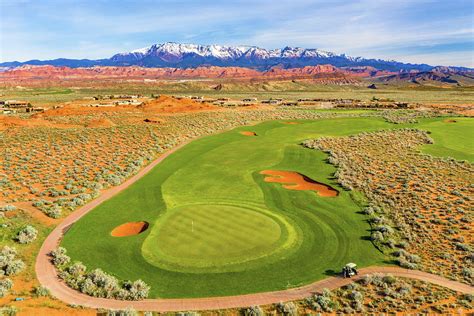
{"x":12,"y":122}
{"x":129,"y":229}
{"x":297,"y":181}
{"x":166,"y":104}
{"x":101,"y":122}
{"x":247,"y":133}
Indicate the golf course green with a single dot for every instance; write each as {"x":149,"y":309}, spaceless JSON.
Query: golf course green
{"x":216,"y":227}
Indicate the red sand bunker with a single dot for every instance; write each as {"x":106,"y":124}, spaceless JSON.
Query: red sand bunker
{"x":297,"y":181}
{"x":129,"y":229}
{"x":291,"y":123}
{"x":247,"y":133}
{"x":450,"y":121}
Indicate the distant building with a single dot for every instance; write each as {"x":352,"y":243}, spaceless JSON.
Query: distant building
{"x":250,"y":100}
{"x":272,"y":101}
{"x":17,"y":104}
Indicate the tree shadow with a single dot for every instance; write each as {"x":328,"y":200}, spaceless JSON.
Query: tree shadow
{"x":331,"y":272}
{"x":391,"y":261}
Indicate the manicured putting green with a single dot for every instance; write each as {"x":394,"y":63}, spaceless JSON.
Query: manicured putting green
{"x":206,"y":236}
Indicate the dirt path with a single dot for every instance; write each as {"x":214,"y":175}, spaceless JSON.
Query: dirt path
{"x":47,"y":276}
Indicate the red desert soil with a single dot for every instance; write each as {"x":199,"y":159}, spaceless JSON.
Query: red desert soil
{"x":247,"y":133}
{"x":165,"y":104}
{"x":9,"y":121}
{"x":102,"y":122}
{"x":129,"y":229}
{"x":297,"y":181}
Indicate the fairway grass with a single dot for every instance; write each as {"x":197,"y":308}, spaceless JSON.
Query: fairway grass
{"x":217,"y":228}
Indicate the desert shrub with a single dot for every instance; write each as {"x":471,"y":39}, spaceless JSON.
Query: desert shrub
{"x":137,"y":290}
{"x":126,"y":312}
{"x":462,"y":247}
{"x":253,"y":311}
{"x":41,"y":291}
{"x":59,"y":257}
{"x":96,"y":283}
{"x":289,"y":308}
{"x":402,"y":262}
{"x":53,"y":211}
{"x":389,"y":279}
{"x":405,"y":289}
{"x":323,"y":302}
{"x":5,"y":286}
{"x":27,"y":234}
{"x":9,"y":265}
{"x":468,"y":272}
{"x":377,"y":236}
{"x":188,"y":314}
{"x":8,"y":311}
{"x":77,"y":269}
{"x":7,"y":208}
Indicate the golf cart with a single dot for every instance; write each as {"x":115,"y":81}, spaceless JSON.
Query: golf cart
{"x":349,"y":270}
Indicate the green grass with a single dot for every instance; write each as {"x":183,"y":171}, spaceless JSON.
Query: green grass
{"x":290,"y":237}
{"x":455,"y":139}
{"x":204,"y":237}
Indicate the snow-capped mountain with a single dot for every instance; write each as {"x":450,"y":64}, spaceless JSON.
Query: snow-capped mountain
{"x":192,"y":55}
{"x":175,"y":51}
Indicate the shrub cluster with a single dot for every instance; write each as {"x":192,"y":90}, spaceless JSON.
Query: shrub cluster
{"x":9,"y":264}
{"x":96,"y":283}
{"x":323,"y":302}
{"x":417,"y":203}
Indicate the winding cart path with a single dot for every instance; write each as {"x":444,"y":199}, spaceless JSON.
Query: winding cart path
{"x":47,"y":276}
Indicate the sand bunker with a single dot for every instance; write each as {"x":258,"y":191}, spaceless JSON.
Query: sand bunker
{"x":450,"y":121}
{"x":247,"y":133}
{"x":297,"y":181}
{"x":290,"y":123}
{"x":129,"y":229}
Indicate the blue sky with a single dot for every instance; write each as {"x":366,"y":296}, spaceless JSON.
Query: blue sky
{"x":429,"y":31}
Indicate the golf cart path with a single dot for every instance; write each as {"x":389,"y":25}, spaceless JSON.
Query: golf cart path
{"x":47,"y":276}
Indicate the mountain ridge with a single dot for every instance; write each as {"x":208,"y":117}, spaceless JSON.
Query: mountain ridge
{"x":178,"y":55}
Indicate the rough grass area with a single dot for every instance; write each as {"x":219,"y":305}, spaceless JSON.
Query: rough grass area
{"x":224,"y":170}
